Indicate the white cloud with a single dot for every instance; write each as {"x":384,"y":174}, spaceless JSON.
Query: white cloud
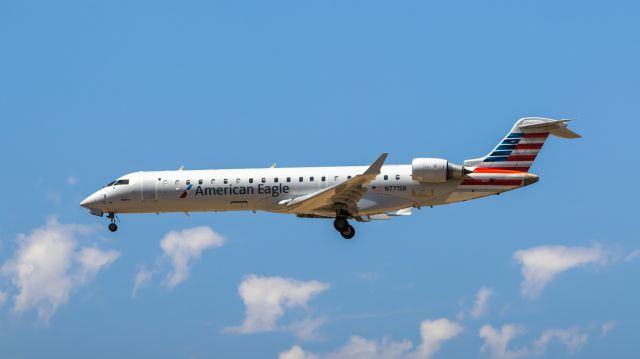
{"x":3,"y":298}
{"x":72,"y":180}
{"x":540,"y":265}
{"x":266,"y":299}
{"x":142,"y":278}
{"x":496,"y":341}
{"x":306,"y":328}
{"x":186,"y":246}
{"x":481,"y":304}
{"x":47,"y":267}
{"x":571,"y":338}
{"x":607,"y":327}
{"x":91,"y":260}
{"x":433,"y":333}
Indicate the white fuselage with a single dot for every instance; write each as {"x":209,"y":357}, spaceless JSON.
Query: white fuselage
{"x":268,"y":189}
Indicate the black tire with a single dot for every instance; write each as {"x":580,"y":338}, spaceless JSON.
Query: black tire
{"x":340,"y":224}
{"x":348,"y":232}
{"x":113,"y":227}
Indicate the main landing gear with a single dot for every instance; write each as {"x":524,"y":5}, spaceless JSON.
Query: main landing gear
{"x":112,"y":226}
{"x":342,"y":225}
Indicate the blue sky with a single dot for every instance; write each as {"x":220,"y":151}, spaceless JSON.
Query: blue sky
{"x":91,"y":90}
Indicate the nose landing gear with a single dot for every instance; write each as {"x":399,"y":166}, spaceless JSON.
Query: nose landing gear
{"x":112,"y":226}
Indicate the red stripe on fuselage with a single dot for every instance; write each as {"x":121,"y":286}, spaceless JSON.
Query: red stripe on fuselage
{"x":495,"y":170}
{"x":492,"y":182}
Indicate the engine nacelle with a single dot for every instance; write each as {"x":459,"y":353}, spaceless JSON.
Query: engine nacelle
{"x":435,"y":170}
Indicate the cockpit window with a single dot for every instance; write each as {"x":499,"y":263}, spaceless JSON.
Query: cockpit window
{"x":110,"y":183}
{"x":121,"y":182}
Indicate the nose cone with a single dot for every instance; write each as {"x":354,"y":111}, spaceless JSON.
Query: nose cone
{"x":530,"y":178}
{"x":91,"y":202}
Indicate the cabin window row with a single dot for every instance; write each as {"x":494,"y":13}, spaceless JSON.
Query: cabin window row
{"x":275,"y":180}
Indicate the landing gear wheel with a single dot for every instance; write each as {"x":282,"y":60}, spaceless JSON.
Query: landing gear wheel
{"x":113,"y":227}
{"x":348,"y":232}
{"x":340,"y":224}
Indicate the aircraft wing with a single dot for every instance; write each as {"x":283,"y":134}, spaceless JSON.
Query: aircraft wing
{"x":345,"y":192}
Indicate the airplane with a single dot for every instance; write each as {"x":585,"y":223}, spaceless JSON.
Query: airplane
{"x":359,"y":193}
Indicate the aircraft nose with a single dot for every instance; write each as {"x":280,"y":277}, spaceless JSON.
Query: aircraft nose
{"x":91,"y":201}
{"x":530,"y":178}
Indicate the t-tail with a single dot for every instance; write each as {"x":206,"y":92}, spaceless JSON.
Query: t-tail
{"x":518,"y":150}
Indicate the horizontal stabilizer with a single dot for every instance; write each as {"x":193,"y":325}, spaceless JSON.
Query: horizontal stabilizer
{"x":555,"y":127}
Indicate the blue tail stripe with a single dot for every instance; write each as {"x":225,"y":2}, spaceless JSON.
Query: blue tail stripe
{"x":500,"y":153}
{"x":495,"y":159}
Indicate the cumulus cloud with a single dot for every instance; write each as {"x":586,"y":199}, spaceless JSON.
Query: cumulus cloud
{"x":47,"y":267}
{"x":481,"y":304}
{"x":540,"y":265}
{"x":572,"y":338}
{"x":266,"y":299}
{"x":184,"y":247}
{"x":496,"y":341}
{"x":433,"y":333}
{"x":142,"y":278}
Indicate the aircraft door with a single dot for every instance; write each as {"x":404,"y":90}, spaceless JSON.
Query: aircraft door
{"x":149,"y":189}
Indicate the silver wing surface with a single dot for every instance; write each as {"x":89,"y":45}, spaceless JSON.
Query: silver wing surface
{"x":347,"y":193}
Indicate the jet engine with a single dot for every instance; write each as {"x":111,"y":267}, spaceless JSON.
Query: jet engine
{"x":435,"y":170}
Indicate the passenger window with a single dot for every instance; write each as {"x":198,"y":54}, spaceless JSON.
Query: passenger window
{"x":288,"y":179}
{"x":177,"y":182}
{"x":250,"y":180}
{"x":336,"y":178}
{"x":397,"y":177}
{"x":275,"y":180}
{"x":165,"y":182}
{"x":237,"y":180}
{"x":188,"y":182}
{"x":225,"y":181}
{"x":200,"y":181}
{"x":263,"y":180}
{"x":311,"y":178}
{"x":386,"y":177}
{"x":348,"y":177}
{"x":300,"y":179}
{"x":323,"y":178}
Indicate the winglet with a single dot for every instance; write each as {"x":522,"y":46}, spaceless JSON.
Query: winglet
{"x":181,"y":168}
{"x":273,"y":165}
{"x":376,"y":166}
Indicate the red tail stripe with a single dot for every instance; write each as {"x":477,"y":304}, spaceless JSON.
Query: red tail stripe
{"x":495,"y":182}
{"x":518,"y":169}
{"x":494,"y":170}
{"x":528,"y":146}
{"x":536,"y":135}
{"x":521,"y":158}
